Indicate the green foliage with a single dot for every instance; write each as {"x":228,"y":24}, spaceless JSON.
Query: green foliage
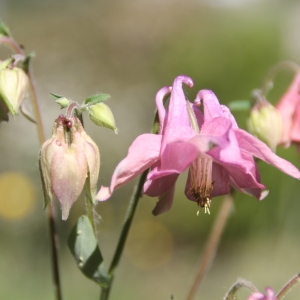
{"x":97,"y":98}
{"x":4,"y":30}
{"x":84,"y":247}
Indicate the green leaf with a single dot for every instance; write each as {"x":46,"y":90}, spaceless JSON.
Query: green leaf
{"x":240,"y":105}
{"x":55,"y":96}
{"x":84,"y":247}
{"x":4,"y":30}
{"x":27,"y":61}
{"x":95,"y":99}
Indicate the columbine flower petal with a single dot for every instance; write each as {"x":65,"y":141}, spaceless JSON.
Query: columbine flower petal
{"x":289,"y":107}
{"x":63,"y":173}
{"x":217,"y":153}
{"x":260,"y":296}
{"x":142,"y":154}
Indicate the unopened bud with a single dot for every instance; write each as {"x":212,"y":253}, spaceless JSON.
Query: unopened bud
{"x":67,"y":160}
{"x":63,"y":102}
{"x":13,"y":88}
{"x":265,"y":122}
{"x":101,"y":115}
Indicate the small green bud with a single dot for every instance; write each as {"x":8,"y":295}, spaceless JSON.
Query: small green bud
{"x":13,"y":88}
{"x":265,"y":122}
{"x":67,"y":160}
{"x":63,"y":102}
{"x":101,"y":115}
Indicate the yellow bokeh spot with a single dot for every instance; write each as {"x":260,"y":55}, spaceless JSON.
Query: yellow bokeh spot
{"x":17,"y":195}
{"x":150,"y":245}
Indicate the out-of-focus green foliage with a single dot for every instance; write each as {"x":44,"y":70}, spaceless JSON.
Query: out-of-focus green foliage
{"x":130,"y":49}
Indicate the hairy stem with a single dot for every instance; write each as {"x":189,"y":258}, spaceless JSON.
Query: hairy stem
{"x":89,"y":206}
{"x":288,"y":287}
{"x":268,"y":80}
{"x":211,"y":245}
{"x":51,"y":221}
{"x":238,"y":285}
{"x":41,"y":136}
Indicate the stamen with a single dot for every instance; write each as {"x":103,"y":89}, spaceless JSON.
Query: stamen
{"x":201,"y":182}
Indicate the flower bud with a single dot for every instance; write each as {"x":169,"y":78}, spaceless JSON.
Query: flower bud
{"x":265,"y":122}
{"x":63,"y":102}
{"x":13,"y":87}
{"x":101,"y":115}
{"x":67,"y":160}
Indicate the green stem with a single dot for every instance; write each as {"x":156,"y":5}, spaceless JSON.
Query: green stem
{"x":41,"y":136}
{"x":288,"y":287}
{"x":211,"y":245}
{"x":136,"y":195}
{"x":51,"y":221}
{"x":238,"y":285}
{"x":89,"y":206}
{"x":268,"y":80}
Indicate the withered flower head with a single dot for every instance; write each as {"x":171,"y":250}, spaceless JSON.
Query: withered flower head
{"x":67,"y":160}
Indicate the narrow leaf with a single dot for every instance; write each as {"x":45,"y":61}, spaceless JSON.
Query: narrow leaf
{"x":55,"y":96}
{"x":4,"y":30}
{"x":27,"y":61}
{"x":97,"y":98}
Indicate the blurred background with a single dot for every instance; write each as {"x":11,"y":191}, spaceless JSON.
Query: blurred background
{"x":130,"y":49}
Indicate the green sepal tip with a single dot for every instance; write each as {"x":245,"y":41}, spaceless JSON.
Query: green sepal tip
{"x":4,"y":30}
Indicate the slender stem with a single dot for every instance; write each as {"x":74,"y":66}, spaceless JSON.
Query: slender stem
{"x":268,"y":80}
{"x":89,"y":206}
{"x":10,"y":42}
{"x":288,"y":287}
{"x":54,"y":256}
{"x":211,"y":245}
{"x":238,"y":285}
{"x":136,"y":195}
{"x":36,"y":108}
{"x":41,"y":136}
{"x":51,"y":221}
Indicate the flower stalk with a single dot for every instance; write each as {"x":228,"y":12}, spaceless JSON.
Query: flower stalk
{"x":50,"y":209}
{"x":212,"y":244}
{"x":288,"y":287}
{"x":136,"y":195}
{"x":231,"y":295}
{"x":10,"y":42}
{"x":268,"y":80}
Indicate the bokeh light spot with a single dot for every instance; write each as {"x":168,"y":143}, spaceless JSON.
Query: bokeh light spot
{"x":150,"y":245}
{"x":17,"y":195}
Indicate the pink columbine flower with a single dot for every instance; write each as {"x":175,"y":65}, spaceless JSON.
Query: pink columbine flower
{"x":217,"y":153}
{"x":260,"y":296}
{"x":289,"y":107}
